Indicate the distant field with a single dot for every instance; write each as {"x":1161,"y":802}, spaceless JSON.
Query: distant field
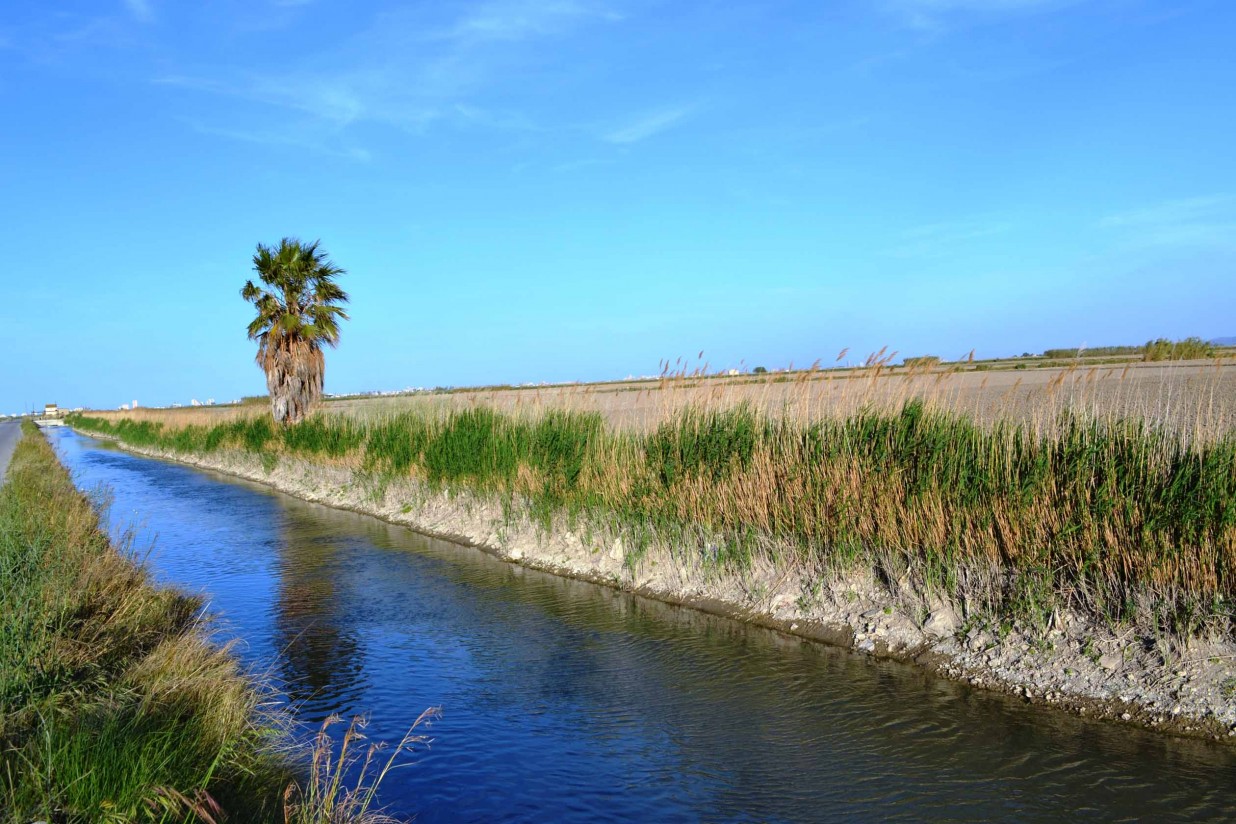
{"x":1192,"y":395}
{"x":1195,"y":397}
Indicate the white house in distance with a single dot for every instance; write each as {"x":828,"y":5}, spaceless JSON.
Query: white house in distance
{"x":50,"y":416}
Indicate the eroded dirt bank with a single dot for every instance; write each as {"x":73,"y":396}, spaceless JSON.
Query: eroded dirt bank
{"x":1076,"y":664}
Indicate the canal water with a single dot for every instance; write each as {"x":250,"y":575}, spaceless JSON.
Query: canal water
{"x":566,"y":701}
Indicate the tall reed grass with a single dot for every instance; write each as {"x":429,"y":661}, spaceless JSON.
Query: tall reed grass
{"x":1125,"y":519}
{"x":344,"y":777}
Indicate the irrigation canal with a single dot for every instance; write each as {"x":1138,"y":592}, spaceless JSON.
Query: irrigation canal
{"x":565,"y":701}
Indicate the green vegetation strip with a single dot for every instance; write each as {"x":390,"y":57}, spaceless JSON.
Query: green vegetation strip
{"x":1160,"y":349}
{"x":1119,"y":519}
{"x":113,"y":705}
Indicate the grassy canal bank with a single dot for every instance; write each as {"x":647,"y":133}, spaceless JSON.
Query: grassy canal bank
{"x":114,"y":706}
{"x":1105,"y":546}
{"x":1117,"y":519}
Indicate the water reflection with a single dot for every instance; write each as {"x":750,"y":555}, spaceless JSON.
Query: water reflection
{"x":322,"y":661}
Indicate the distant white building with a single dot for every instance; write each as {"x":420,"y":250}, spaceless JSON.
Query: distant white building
{"x":195,"y":402}
{"x":133,"y":405}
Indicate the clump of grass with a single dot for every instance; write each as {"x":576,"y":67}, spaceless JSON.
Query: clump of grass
{"x":312,"y":436}
{"x":343,"y":778}
{"x":712,"y":443}
{"x":1163,"y":349}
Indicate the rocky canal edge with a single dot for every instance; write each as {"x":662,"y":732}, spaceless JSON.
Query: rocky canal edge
{"x":1077,"y":664}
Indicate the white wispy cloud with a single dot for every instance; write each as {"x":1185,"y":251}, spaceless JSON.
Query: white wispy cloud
{"x":514,"y":20}
{"x":570,"y":166}
{"x":495,"y":119}
{"x":409,"y":68}
{"x":1184,"y":210}
{"x":330,"y":100}
{"x":1201,"y":220}
{"x":141,"y":9}
{"x":934,"y":239}
{"x":648,"y":125}
{"x":977,"y":5}
{"x":932,"y":14}
{"x":289,"y":136}
{"x":76,"y":33}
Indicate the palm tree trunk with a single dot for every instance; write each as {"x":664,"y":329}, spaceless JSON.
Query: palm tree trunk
{"x":294,"y":380}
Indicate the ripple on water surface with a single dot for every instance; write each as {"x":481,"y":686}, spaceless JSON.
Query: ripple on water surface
{"x":565,"y":701}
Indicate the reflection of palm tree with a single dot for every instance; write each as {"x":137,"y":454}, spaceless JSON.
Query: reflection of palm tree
{"x":321,"y":659}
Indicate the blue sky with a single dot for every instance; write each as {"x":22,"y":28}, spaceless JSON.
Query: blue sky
{"x":527,"y":190}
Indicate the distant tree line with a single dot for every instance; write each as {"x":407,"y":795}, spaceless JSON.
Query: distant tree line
{"x":1093,"y":351}
{"x":1187,"y":349}
{"x":1160,"y":349}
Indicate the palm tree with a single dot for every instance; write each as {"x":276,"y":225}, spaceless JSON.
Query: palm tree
{"x":298,"y":310}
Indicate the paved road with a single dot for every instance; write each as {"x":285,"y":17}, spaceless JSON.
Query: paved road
{"x":10,"y":431}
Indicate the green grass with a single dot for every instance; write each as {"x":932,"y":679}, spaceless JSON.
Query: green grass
{"x":1160,"y":349}
{"x":113,"y":706}
{"x":1118,"y":518}
{"x":1093,"y":351}
{"x":1188,"y":349}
